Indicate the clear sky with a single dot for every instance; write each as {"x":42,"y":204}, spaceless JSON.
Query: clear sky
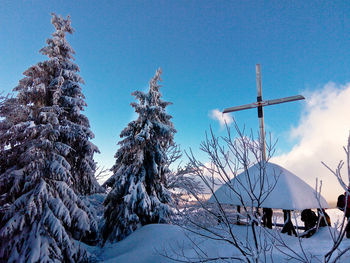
{"x":208,"y":51}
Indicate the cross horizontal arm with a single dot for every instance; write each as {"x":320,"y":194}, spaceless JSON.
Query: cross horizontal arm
{"x":282,"y":100}
{"x":242,"y":107}
{"x":263,"y":103}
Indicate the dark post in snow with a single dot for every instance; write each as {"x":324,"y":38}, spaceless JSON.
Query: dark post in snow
{"x":260,"y":103}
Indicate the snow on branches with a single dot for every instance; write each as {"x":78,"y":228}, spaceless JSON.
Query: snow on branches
{"x":138,"y":193}
{"x":46,"y":161}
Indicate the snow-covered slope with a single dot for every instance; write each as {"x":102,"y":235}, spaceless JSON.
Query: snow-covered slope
{"x":146,"y":245}
{"x":142,"y":245}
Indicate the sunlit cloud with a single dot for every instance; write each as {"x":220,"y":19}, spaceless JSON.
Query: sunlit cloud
{"x":322,"y":132}
{"x":222,"y":118}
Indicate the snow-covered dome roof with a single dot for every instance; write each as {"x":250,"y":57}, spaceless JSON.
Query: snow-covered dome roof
{"x":290,"y":192}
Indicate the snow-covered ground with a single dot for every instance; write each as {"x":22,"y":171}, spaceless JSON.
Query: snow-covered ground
{"x":151,"y":242}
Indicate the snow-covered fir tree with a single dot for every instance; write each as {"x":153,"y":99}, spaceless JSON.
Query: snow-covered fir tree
{"x":44,"y":147}
{"x":138,"y":193}
{"x":68,"y":95}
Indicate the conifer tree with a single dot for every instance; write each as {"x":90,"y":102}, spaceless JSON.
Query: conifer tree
{"x":43,"y":146}
{"x":69,"y":96}
{"x":138,"y":193}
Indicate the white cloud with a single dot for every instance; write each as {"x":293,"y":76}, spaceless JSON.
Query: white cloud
{"x":222,"y":118}
{"x":321,"y":133}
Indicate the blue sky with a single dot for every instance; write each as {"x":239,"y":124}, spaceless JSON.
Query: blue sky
{"x":207,"y":50}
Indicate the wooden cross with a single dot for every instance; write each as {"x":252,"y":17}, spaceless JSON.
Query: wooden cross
{"x":260,"y":103}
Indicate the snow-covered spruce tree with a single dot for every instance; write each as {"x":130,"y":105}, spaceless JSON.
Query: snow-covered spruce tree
{"x":138,"y":193}
{"x":68,"y":95}
{"x":41,"y":215}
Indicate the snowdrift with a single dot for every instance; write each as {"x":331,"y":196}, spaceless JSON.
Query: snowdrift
{"x":147,"y":244}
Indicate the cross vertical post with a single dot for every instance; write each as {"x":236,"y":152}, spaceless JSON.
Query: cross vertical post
{"x":260,"y":112}
{"x":260,"y":104}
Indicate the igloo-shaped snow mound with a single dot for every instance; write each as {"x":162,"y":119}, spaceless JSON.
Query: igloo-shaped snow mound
{"x":290,"y":192}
